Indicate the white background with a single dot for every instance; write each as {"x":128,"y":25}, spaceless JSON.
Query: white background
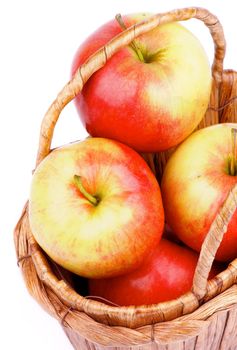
{"x":38,"y":41}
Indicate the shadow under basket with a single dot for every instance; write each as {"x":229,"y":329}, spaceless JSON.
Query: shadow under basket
{"x":205,"y":317}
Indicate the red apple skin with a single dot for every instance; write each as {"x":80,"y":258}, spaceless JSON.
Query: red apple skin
{"x":165,"y":275}
{"x":194,"y":186}
{"x":148,"y":106}
{"x":110,"y":238}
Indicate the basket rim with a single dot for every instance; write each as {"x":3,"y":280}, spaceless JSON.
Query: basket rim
{"x":96,"y":331}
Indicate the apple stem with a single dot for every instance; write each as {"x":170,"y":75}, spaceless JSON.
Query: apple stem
{"x":133,"y":44}
{"x":232,"y":164}
{"x":91,"y":199}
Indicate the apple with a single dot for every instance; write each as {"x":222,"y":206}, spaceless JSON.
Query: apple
{"x":95,"y":208}
{"x":196,"y":181}
{"x":151,"y":94}
{"x":166,"y":274}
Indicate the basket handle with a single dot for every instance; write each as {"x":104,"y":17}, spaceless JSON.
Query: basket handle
{"x":211,"y":244}
{"x":99,"y":59}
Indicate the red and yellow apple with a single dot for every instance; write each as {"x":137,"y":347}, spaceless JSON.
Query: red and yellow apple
{"x":95,"y":208}
{"x":166,"y":274}
{"x":197,"y":179}
{"x":151,"y":94}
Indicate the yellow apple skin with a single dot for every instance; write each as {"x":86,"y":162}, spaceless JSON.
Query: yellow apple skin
{"x":110,"y":238}
{"x":152,"y":105}
{"x":195,"y":184}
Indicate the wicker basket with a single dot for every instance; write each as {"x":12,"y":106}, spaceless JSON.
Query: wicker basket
{"x":205,"y":317}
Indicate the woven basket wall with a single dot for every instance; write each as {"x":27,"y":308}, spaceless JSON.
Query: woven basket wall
{"x":204,"y":318}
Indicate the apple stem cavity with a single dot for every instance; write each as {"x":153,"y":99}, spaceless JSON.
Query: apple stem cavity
{"x":232,"y":159}
{"x":133,"y":44}
{"x":78,"y":180}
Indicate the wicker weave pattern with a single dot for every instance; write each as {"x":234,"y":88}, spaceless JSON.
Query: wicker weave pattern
{"x":88,"y":322}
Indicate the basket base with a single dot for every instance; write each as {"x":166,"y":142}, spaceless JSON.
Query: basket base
{"x":219,"y":334}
